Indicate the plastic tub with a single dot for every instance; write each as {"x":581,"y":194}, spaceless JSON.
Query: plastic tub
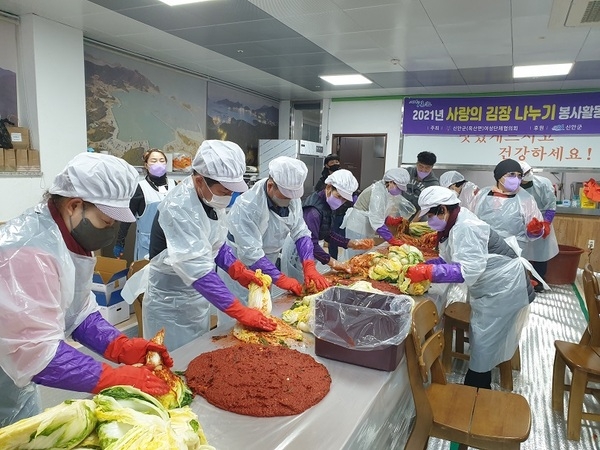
{"x":562,"y":269}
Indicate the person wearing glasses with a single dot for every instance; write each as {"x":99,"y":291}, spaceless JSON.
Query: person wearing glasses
{"x":508,"y":209}
{"x":421,"y":176}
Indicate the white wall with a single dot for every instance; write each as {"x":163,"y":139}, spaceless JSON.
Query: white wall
{"x":51,"y":88}
{"x":368,"y":117}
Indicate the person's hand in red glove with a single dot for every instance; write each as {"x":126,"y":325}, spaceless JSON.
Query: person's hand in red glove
{"x":361,"y":244}
{"x":240,"y":273}
{"x":289,"y":284}
{"x":312,"y":276}
{"x":250,"y":317}
{"x":138,"y":377}
{"x":396,"y":241}
{"x":420,"y":272}
{"x":546,"y":229}
{"x":124,"y":350}
{"x":535,"y":228}
{"x":393,"y":221}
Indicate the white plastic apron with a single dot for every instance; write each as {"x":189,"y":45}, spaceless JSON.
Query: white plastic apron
{"x":152,"y":198}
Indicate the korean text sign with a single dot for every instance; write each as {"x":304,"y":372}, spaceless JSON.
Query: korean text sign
{"x":557,"y":114}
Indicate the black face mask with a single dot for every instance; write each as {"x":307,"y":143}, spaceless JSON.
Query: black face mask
{"x":90,"y":237}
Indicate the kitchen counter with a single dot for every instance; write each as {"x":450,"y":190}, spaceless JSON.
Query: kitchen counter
{"x":578,"y":211}
{"x":365,"y":408}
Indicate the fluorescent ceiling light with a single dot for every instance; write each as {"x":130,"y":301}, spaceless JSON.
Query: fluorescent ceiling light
{"x":541,"y":70}
{"x":182,"y":2}
{"x":345,"y":80}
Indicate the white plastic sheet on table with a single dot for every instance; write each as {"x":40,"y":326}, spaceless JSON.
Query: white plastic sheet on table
{"x":365,"y":408}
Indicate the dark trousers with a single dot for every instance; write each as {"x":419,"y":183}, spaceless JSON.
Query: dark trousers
{"x":540,"y":267}
{"x":482,"y":380}
{"x":336,"y":222}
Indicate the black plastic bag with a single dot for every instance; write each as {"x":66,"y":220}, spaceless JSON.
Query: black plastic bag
{"x":5,"y":140}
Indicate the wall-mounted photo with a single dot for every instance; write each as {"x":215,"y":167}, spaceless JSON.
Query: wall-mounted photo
{"x":8,"y":72}
{"x":133,"y":106}
{"x":241,"y":118}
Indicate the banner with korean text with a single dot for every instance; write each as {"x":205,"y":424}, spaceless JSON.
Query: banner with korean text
{"x":556,"y":114}
{"x":550,"y":151}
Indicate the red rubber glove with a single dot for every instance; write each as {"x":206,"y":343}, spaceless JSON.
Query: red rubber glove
{"x":420,"y":272}
{"x":393,"y":221}
{"x":240,"y":273}
{"x":250,"y":317}
{"x":546,"y":229}
{"x":396,"y":241}
{"x":535,"y":227}
{"x":138,"y":377}
{"x":289,"y":284}
{"x":312,"y":275}
{"x":124,"y":350}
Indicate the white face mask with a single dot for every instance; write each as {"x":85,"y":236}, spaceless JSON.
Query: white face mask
{"x":527,"y":178}
{"x":217,"y":201}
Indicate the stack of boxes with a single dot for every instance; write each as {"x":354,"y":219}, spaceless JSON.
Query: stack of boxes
{"x":20,"y":158}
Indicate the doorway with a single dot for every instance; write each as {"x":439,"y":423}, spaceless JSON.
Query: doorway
{"x":361,"y":154}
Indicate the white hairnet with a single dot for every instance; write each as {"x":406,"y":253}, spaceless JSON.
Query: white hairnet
{"x":104,"y":180}
{"x":451,"y":177}
{"x":289,"y":175}
{"x":344,"y":182}
{"x":433,"y":196}
{"x":525,"y":167}
{"x":399,"y":176}
{"x":223,"y":161}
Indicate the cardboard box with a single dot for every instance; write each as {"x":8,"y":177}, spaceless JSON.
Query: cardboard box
{"x":22,"y":160}
{"x":362,"y":328}
{"x":10,"y":160}
{"x":1,"y":160}
{"x":109,"y":277}
{"x":116,"y":313}
{"x":19,"y":137}
{"x":34,"y":159}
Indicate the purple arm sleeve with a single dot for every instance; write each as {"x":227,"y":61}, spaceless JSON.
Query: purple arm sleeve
{"x":439,"y":260}
{"x":338,"y":240}
{"x":447,"y":273}
{"x":95,"y":333}
{"x":225,"y":258}
{"x":312,"y":218}
{"x":549,"y":215}
{"x":305,"y":248}
{"x":384,"y":232}
{"x":70,"y":369}
{"x":267,"y":267}
{"x":214,"y":290}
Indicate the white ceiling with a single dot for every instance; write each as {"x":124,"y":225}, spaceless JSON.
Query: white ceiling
{"x":406,"y":47}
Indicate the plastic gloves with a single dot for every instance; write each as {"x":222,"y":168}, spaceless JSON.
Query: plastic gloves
{"x":118,"y":251}
{"x":546,"y":229}
{"x":124,"y":350}
{"x":439,"y":260}
{"x":535,"y":228}
{"x":361,"y":244}
{"x":243,"y":275}
{"x":249,"y":316}
{"x":139,"y":377}
{"x":339,"y":266}
{"x":436,"y":273}
{"x":289,"y":284}
{"x":549,"y":215}
{"x":393,"y":221}
{"x":311,"y":275}
{"x":396,"y":241}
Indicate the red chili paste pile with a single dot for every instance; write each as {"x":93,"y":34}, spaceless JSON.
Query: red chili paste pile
{"x":259,"y":381}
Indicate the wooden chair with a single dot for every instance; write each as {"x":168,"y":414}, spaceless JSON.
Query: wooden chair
{"x":136,"y":266}
{"x":583,"y":360}
{"x":456,"y":412}
{"x":457,"y":319}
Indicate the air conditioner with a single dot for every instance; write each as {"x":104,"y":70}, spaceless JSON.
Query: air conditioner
{"x":311,"y":148}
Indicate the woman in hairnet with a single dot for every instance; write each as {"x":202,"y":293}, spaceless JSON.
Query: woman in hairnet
{"x":538,"y":252}
{"x":465,"y":190}
{"x":472,"y":253}
{"x":318,"y":214}
{"x":262,"y":218}
{"x":46,"y":268}
{"x":509,"y":210}
{"x":378,"y":206}
{"x":187,"y":241}
{"x":148,"y":194}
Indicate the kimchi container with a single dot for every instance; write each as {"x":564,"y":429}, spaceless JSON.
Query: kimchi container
{"x":362,"y":328}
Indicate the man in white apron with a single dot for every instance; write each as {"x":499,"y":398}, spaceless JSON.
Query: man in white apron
{"x":46,"y":268}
